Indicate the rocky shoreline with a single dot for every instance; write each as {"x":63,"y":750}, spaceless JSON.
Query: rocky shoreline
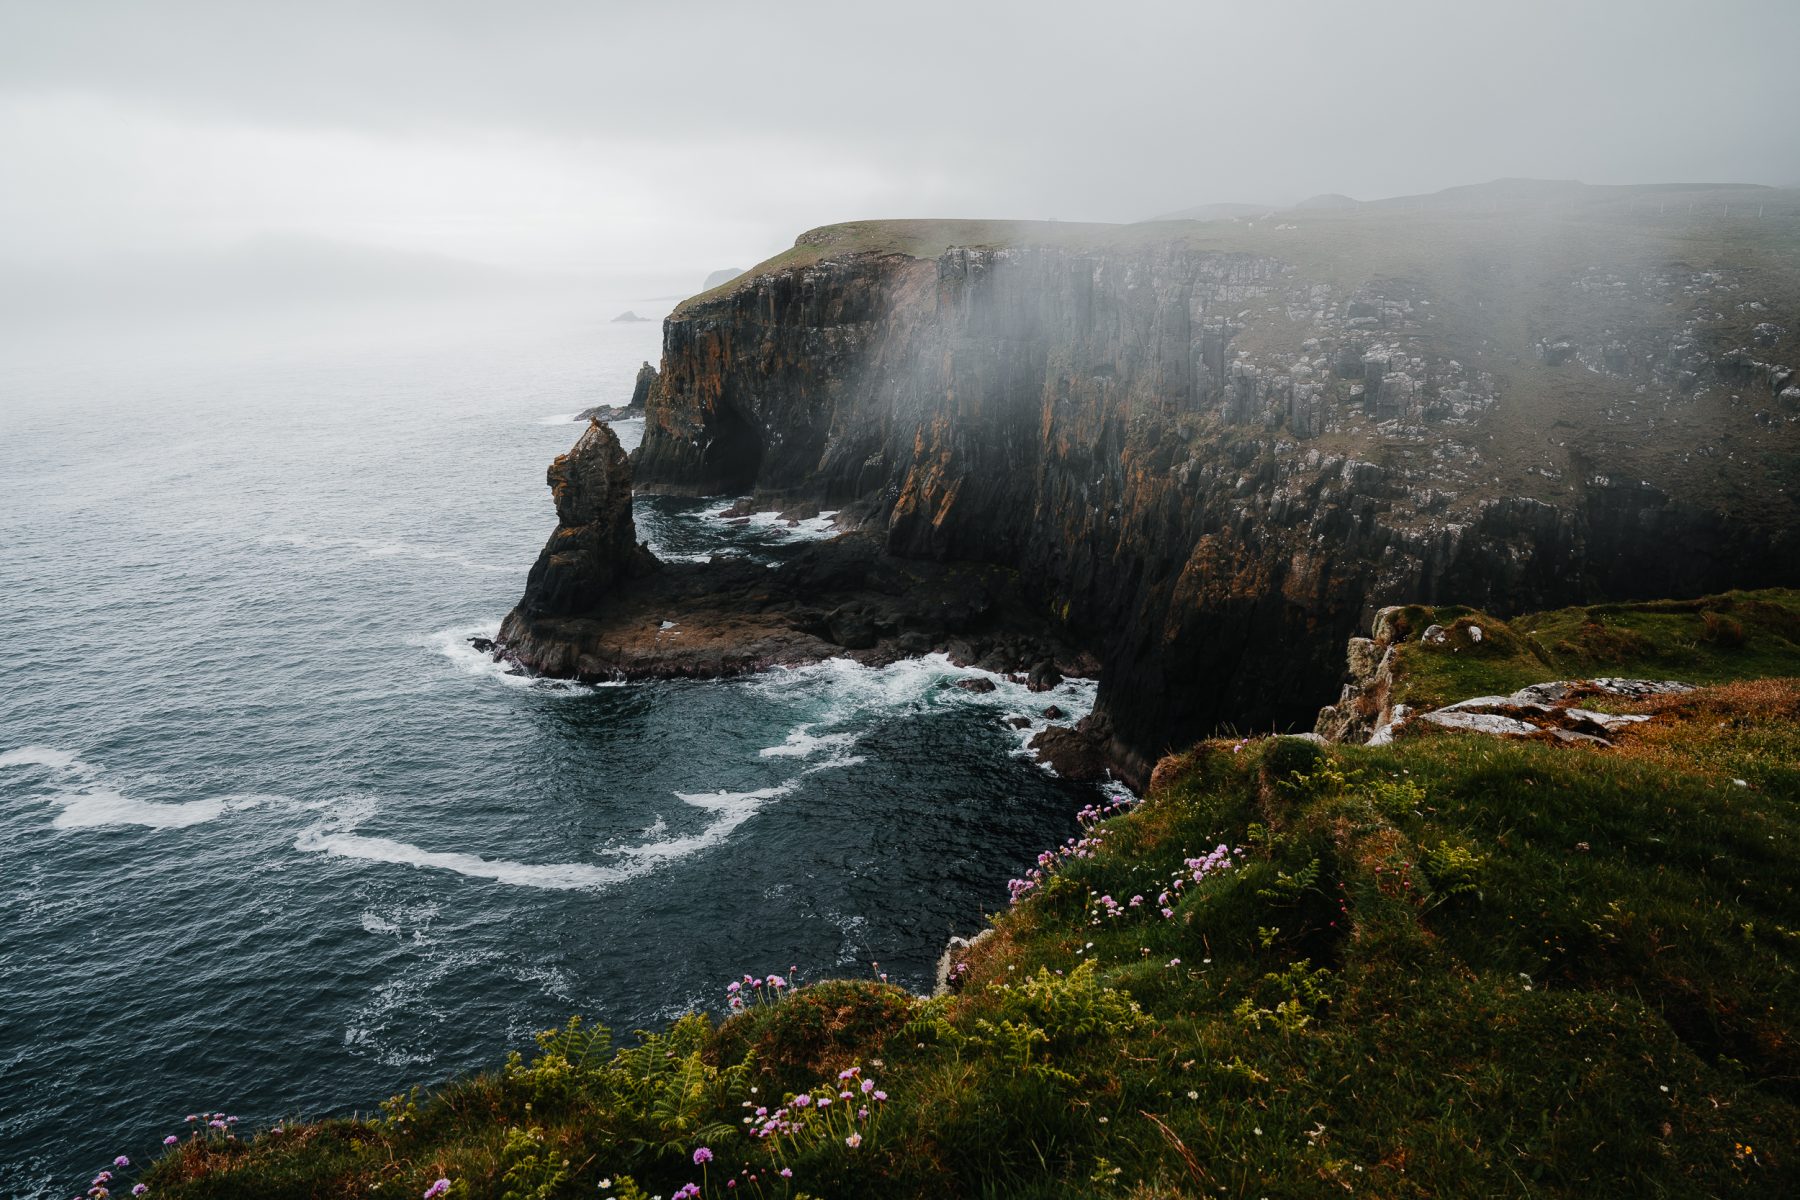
{"x":599,"y":606}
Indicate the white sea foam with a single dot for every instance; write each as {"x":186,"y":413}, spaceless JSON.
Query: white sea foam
{"x":86,"y":805}
{"x":772,"y":522}
{"x":803,"y":743}
{"x":60,"y":761}
{"x":453,"y":644}
{"x":848,"y":691}
{"x":336,"y":835}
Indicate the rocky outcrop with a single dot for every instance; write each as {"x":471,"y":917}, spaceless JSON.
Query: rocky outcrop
{"x":640,"y":390}
{"x":1543,"y":711}
{"x":1205,"y":463}
{"x":595,"y":548}
{"x":640,"y":397}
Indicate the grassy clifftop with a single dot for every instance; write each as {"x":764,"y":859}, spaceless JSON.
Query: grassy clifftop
{"x":1449,"y":966}
{"x":1713,"y":639}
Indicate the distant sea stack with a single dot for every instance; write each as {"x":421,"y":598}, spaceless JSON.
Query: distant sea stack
{"x":721,"y":277}
{"x":1212,"y":457}
{"x":640,"y":396}
{"x":627,"y":316}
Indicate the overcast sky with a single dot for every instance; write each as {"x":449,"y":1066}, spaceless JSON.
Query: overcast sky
{"x":650,"y":137}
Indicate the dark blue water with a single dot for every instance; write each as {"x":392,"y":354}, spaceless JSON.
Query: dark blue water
{"x":274,"y":840}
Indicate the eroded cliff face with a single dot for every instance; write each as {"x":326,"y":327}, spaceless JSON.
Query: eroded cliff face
{"x":1212,"y":465}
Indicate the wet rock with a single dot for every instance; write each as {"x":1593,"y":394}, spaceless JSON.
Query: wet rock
{"x":1074,"y":754}
{"x":851,"y":629}
{"x":1043,"y":677}
{"x":980,"y":685}
{"x":482,"y":644}
{"x":1054,"y":713}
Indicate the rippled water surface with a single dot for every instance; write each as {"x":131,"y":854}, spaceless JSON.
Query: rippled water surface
{"x":273,"y":839}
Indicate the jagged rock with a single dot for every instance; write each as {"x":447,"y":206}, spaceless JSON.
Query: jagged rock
{"x":1054,"y":713}
{"x":1043,"y":677}
{"x":981,"y":685}
{"x":595,"y":545}
{"x":641,"y":388}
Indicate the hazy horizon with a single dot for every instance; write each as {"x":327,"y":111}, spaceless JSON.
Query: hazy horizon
{"x":579,"y":141}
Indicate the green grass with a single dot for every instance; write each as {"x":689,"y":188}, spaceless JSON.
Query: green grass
{"x":1737,"y":635}
{"x":1452,"y":966}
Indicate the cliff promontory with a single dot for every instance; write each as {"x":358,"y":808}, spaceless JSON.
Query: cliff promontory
{"x":1207,"y":452}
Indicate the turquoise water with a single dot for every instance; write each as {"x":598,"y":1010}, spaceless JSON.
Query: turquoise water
{"x":275,"y":840}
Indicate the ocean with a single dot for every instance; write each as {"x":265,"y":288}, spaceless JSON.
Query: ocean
{"x":275,"y":840}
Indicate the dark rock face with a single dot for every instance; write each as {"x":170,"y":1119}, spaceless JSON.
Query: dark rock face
{"x":640,"y":391}
{"x":1210,"y":467}
{"x":595,"y":546}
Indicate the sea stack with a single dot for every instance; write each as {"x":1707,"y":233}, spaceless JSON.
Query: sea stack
{"x":640,"y":391}
{"x":595,"y":546}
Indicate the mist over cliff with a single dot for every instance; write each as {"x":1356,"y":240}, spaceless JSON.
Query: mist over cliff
{"x":1211,"y":450}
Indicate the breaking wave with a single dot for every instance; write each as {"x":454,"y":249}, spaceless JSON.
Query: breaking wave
{"x":83,"y":804}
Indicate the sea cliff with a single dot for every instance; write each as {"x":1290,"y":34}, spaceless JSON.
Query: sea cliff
{"x":1208,"y":452}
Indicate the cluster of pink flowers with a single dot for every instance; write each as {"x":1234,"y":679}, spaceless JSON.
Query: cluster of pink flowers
{"x":847,"y":1110}
{"x":218,"y":1122}
{"x":1085,"y":846}
{"x":1112,"y":910}
{"x":101,"y":1187}
{"x":1195,"y":870}
{"x":741,"y":993}
{"x":437,"y":1189}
